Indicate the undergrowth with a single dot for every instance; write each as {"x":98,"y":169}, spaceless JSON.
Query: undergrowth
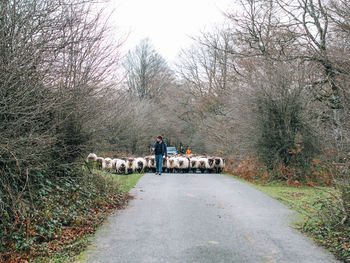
{"x":60,"y":212}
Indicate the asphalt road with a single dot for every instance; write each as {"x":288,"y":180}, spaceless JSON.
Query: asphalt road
{"x":202,"y":218}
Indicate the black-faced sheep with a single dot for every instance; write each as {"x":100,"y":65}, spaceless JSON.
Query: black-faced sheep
{"x":109,"y":164}
{"x":219,"y":164}
{"x":182,"y":164}
{"x":203,"y":164}
{"x":139,"y":164}
{"x":91,"y":160}
{"x":165,"y":165}
{"x":151,"y":165}
{"x":120,"y":166}
{"x":100,"y":163}
{"x":129,"y":165}
{"x":171,"y":164}
{"x":210,"y":165}
{"x":194,"y":164}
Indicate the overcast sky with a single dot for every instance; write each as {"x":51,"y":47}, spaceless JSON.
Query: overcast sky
{"x":168,"y":23}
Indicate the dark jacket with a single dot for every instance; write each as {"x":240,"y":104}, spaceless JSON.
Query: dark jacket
{"x":160,"y":148}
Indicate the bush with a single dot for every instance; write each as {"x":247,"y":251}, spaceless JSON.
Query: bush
{"x":330,"y":226}
{"x":284,"y":134}
{"x":52,"y":208}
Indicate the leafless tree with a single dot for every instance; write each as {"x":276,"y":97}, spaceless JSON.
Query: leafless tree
{"x":55,"y":61}
{"x":147,"y":72}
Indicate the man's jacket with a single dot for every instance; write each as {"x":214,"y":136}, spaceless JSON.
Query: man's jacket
{"x":160,"y":148}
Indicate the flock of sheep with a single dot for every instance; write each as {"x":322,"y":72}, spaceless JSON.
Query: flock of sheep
{"x":173,"y":164}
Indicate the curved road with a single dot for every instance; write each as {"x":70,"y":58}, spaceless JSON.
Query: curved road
{"x":201,"y":218}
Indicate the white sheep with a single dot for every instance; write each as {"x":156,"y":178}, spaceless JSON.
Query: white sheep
{"x":151,"y":163}
{"x":114,"y":163}
{"x":91,"y":159}
{"x":210,"y":164}
{"x":194,"y":164}
{"x":182,"y":164}
{"x":109,"y":164}
{"x":169,"y":162}
{"x":120,"y":166}
{"x":203,"y":164}
{"x":139,"y":164}
{"x":165,"y":165}
{"x":100,"y":163}
{"x":219,"y":164}
{"x":172,"y":164}
{"x":129,"y":165}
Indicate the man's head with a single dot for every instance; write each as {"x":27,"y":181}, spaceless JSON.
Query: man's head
{"x":159,"y":138}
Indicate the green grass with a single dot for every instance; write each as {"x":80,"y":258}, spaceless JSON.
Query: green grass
{"x":126,"y":181}
{"x":300,"y":199}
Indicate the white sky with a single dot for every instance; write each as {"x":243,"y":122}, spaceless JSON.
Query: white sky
{"x":168,"y":23}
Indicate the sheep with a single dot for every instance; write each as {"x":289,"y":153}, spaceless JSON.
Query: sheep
{"x":169,"y":162}
{"x":129,"y":165}
{"x":91,"y":160}
{"x":151,"y":163}
{"x":109,"y":164}
{"x":194,"y":164}
{"x":120,"y":166}
{"x":165,"y":164}
{"x":219,"y":164}
{"x":203,"y":164}
{"x":100,"y":163}
{"x":139,"y":164}
{"x":114,"y":164}
{"x":210,"y":164}
{"x":146,"y":169}
{"x":172,"y":164}
{"x":182,"y":164}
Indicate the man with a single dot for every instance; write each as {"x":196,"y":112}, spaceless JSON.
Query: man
{"x":159,"y":149}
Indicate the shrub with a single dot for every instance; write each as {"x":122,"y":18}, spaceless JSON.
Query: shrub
{"x":330,"y":225}
{"x":54,"y":211}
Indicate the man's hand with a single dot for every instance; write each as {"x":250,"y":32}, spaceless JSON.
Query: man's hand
{"x":165,"y":157}
{"x":153,"y":149}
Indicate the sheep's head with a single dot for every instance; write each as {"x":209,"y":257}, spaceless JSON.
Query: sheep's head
{"x":140,"y":164}
{"x":152,"y":161}
{"x":217,"y":161}
{"x":210,"y":161}
{"x":202,"y":163}
{"x":193,"y":163}
{"x":181,"y":162}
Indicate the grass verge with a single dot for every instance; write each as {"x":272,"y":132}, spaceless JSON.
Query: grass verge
{"x":125,"y":181}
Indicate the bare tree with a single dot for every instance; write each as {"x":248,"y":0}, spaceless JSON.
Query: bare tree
{"x":147,"y":72}
{"x":54,"y":63}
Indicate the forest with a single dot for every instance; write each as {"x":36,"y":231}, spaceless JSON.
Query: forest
{"x":269,"y":90}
